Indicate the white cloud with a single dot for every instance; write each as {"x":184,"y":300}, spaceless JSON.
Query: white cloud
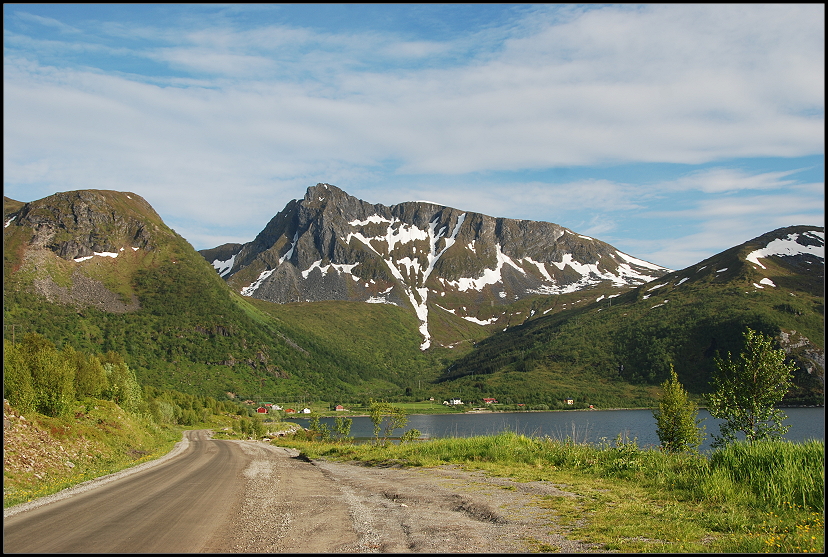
{"x":611,"y":85}
{"x":45,"y":21}
{"x":718,"y":180}
{"x":712,"y":225}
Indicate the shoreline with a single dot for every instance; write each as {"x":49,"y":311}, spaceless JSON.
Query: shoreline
{"x":650,"y":408}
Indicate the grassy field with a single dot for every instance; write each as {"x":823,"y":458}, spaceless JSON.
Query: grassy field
{"x":765,"y":497}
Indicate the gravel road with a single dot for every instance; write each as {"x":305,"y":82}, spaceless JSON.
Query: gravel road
{"x":252,"y":497}
{"x":292,"y":505}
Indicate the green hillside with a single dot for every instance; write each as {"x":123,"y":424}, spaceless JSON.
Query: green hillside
{"x":684,"y":318}
{"x":190,"y":332}
{"x":194,"y":335}
{"x":100,"y":271}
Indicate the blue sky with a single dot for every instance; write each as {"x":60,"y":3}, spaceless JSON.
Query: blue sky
{"x":673,"y":132}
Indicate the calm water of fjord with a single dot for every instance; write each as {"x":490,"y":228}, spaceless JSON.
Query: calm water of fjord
{"x":588,"y":425}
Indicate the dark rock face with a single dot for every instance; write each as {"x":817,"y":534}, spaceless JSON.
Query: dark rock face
{"x":332,"y":246}
{"x":81,"y":223}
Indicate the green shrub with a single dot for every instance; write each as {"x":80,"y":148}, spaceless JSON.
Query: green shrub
{"x":52,"y":377}
{"x":17,"y":379}
{"x":676,"y":418}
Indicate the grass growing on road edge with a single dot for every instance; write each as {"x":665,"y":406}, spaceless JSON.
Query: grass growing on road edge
{"x":760,"y":497}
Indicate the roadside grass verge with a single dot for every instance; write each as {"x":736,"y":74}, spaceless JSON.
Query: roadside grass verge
{"x":44,"y":455}
{"x":746,"y":498}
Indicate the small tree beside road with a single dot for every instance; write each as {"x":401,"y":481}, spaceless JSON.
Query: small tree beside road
{"x":676,"y":418}
{"x":745,"y":391}
{"x":388,"y":415}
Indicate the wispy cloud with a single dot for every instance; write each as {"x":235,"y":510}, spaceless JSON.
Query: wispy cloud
{"x":718,"y":180}
{"x":46,"y":21}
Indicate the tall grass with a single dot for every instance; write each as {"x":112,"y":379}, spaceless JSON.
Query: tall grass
{"x":774,"y":473}
{"x":767,"y":475}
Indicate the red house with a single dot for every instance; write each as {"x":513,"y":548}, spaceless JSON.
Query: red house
{"x":489,"y":401}
{"x":261,"y":410}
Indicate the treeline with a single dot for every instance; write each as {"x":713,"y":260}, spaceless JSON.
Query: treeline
{"x":39,"y":377}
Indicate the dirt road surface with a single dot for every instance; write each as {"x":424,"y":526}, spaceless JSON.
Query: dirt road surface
{"x":251,"y":497}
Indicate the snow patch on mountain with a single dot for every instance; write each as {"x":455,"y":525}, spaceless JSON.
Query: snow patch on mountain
{"x":328,"y":267}
{"x":641,"y":262}
{"x":289,"y":253}
{"x":490,"y":276}
{"x":370,"y":219}
{"x":249,"y":290}
{"x":788,"y":247}
{"x":541,"y":268}
{"x":468,"y":318}
{"x":99,"y":254}
{"x":402,"y":235}
{"x":224,"y":267}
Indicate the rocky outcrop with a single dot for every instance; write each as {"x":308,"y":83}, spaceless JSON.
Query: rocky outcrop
{"x":60,"y":242}
{"x":81,"y":223}
{"x":810,"y":357}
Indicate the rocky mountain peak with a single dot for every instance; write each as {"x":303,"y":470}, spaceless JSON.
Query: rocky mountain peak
{"x":333,"y":246}
{"x":78,"y":224}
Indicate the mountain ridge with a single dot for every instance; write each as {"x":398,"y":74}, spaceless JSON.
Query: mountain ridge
{"x":331,"y":245}
{"x":773,"y":283}
{"x":90,"y":279}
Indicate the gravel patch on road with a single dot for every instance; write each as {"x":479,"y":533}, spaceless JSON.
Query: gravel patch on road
{"x":293,"y":505}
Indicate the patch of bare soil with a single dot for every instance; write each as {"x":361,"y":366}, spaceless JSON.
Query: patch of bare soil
{"x":292,"y":505}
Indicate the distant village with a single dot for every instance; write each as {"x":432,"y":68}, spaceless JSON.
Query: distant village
{"x":271,"y":408}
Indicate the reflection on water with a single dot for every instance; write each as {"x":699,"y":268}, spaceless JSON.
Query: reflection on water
{"x":592,"y":426}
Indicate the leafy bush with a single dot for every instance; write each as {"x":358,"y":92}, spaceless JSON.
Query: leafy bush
{"x":40,"y":377}
{"x":677,"y":424}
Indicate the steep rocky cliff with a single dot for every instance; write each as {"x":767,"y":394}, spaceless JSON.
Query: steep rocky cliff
{"x":332,"y":246}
